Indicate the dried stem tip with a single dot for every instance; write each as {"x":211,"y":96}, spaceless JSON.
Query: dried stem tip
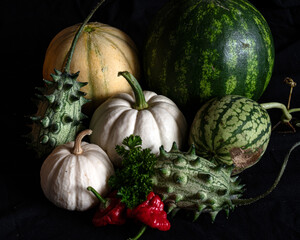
{"x":293,"y":84}
{"x":77,"y":146}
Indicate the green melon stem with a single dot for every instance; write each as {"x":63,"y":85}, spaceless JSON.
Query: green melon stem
{"x":286,"y":114}
{"x":77,"y":35}
{"x":140,"y":101}
{"x":294,"y":110}
{"x":239,"y":202}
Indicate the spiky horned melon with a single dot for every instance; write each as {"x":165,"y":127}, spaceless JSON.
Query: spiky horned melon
{"x":187,"y":181}
{"x":59,"y":118}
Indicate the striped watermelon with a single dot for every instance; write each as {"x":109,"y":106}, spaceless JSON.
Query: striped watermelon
{"x":231,"y":129}
{"x":200,"y":49}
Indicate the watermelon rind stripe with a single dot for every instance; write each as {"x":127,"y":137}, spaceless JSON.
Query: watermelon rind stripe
{"x":184,"y":54}
{"x":231,"y":122}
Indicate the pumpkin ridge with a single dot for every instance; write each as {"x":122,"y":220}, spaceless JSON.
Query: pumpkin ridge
{"x":84,"y":179}
{"x":175,"y":117}
{"x":135,"y":122}
{"x":158,"y":128}
{"x":93,"y":125}
{"x":121,"y":115}
{"x":77,"y":178}
{"x":50,"y":176}
{"x":54,"y":176}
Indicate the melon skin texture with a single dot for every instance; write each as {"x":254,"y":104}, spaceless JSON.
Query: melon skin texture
{"x":197,"y":50}
{"x":231,"y":130}
{"x":101,"y":52}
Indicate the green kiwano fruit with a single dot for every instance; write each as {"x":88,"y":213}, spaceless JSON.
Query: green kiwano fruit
{"x":59,"y":118}
{"x":187,"y":181}
{"x":197,"y":50}
{"x":231,"y":130}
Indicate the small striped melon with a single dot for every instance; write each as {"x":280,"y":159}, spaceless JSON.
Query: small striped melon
{"x":231,"y":130}
{"x":101,"y":52}
{"x":197,"y":50}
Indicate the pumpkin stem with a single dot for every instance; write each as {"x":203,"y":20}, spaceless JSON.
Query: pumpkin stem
{"x":140,"y":101}
{"x":239,"y":202}
{"x":77,"y":150}
{"x":93,"y":190}
{"x":72,"y":48}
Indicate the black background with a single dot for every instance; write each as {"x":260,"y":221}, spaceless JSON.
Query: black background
{"x":27,"y":28}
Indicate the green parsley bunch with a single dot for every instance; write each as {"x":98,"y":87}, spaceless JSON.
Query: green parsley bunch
{"x":133,"y":179}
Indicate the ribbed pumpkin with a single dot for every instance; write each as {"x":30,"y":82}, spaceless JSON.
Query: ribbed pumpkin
{"x":101,"y":52}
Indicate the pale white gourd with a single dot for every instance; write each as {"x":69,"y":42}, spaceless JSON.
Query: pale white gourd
{"x":70,"y":169}
{"x":155,"y":118}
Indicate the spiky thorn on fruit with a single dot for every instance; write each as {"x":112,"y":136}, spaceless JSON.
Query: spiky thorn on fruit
{"x":59,"y":118}
{"x":186,"y":181}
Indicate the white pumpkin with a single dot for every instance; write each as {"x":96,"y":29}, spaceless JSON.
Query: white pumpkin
{"x":70,"y":169}
{"x":155,"y":118}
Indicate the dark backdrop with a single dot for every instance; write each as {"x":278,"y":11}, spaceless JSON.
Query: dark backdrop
{"x":27,"y":28}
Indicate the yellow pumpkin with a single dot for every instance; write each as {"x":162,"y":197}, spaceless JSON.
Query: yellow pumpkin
{"x":101,"y":52}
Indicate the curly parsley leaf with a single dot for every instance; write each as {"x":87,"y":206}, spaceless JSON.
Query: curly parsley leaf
{"x":133,"y":179}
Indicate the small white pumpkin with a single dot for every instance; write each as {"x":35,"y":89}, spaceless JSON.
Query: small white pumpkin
{"x":70,"y":169}
{"x":155,"y":118}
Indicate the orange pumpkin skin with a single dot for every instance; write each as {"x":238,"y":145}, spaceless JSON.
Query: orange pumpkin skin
{"x":100,"y":53}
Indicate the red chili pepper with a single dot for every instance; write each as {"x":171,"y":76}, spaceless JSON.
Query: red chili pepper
{"x":111,"y":210}
{"x":151,"y":212}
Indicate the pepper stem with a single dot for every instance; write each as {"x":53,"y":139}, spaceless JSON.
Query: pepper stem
{"x":140,"y":233}
{"x":239,"y":202}
{"x":286,"y":115}
{"x":93,"y":190}
{"x":72,"y":48}
{"x":140,"y":101}
{"x":77,"y":150}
